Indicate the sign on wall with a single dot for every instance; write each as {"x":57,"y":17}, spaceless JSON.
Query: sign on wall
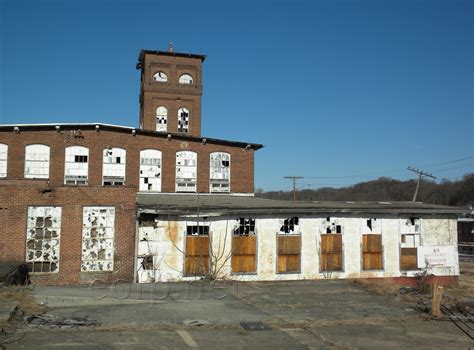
{"x":437,"y":256}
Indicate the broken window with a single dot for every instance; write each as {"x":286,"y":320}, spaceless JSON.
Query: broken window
{"x":98,"y":232}
{"x":37,"y":161}
{"x":289,"y":246}
{"x":244,"y":247}
{"x":147,"y":262}
{"x":185,"y":79}
{"x":197,"y":249}
{"x":410,"y":230}
{"x":76,"y":166}
{"x":113,"y":173}
{"x":161,"y":119}
{"x":186,"y":171}
{"x":244,"y":227}
{"x":42,"y":239}
{"x":372,"y":248}
{"x":183,"y":120}
{"x":219,"y":172}
{"x":3,"y":160}
{"x":331,"y":252}
{"x":160,"y":77}
{"x":150,"y":170}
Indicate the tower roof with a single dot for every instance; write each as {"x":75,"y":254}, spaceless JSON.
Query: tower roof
{"x":167,"y":53}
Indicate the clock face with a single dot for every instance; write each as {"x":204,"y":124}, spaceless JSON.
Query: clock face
{"x":160,"y":77}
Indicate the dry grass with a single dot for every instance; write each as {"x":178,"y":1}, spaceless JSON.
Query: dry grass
{"x":377,"y":286}
{"x":22,"y":295}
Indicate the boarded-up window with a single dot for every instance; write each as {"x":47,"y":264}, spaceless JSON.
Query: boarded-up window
{"x":3,"y":160}
{"x":183,"y":120}
{"x":196,"y":262}
{"x":219,"y":176}
{"x":98,"y":232}
{"x":289,"y":246}
{"x":372,"y":249}
{"x":150,"y":170}
{"x":410,"y":229}
{"x":76,"y":165}
{"x":37,"y":162}
{"x":372,"y":252}
{"x":113,"y":171}
{"x":42,"y":239}
{"x":186,"y":171}
{"x":161,"y":119}
{"x":331,"y":253}
{"x":244,"y":247}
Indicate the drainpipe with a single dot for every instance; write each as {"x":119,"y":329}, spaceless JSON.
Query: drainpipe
{"x":135,"y":256}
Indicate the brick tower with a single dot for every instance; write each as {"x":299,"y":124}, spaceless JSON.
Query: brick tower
{"x":170,"y":91}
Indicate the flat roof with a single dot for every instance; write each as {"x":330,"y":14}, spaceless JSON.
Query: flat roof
{"x":167,"y":53}
{"x":216,"y":205}
{"x":127,"y":129}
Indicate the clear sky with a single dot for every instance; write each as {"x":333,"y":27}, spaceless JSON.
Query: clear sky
{"x":338,"y":91}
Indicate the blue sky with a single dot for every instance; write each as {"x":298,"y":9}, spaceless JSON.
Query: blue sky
{"x":338,"y":91}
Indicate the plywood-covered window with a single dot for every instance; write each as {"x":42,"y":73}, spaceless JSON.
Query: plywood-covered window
{"x":410,"y":230}
{"x":161,"y":119}
{"x":98,"y":233}
{"x":113,"y":170}
{"x":160,"y":77}
{"x":186,"y":79}
{"x":372,"y":248}
{"x":42,"y":239}
{"x":183,"y":120}
{"x":3,"y":160}
{"x":186,"y":171}
{"x":150,"y":170}
{"x":331,"y":249}
{"x":219,"y":176}
{"x":76,"y":165}
{"x":196,"y":261}
{"x":37,"y":161}
{"x":289,"y":246}
{"x":244,"y":246}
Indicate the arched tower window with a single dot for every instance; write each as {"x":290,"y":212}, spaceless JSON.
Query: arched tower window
{"x":160,"y":77}
{"x":186,"y":79}
{"x":183,"y":120}
{"x":161,"y":119}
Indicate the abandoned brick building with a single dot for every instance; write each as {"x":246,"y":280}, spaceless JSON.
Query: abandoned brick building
{"x":86,"y":202}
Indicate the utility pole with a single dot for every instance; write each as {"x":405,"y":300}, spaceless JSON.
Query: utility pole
{"x":420,"y":176}
{"x":294,"y":184}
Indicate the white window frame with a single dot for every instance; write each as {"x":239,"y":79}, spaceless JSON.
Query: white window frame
{"x":160,"y":79}
{"x":150,"y":170}
{"x":35,"y":156}
{"x":186,"y":162}
{"x":109,"y":166}
{"x":162,"y":119}
{"x":186,"y":79}
{"x":76,"y":172}
{"x":3,"y":160}
{"x":219,"y":174}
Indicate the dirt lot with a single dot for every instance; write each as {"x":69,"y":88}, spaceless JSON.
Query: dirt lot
{"x":298,"y":314}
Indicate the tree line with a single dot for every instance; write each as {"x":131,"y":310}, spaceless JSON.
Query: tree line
{"x":455,"y":193}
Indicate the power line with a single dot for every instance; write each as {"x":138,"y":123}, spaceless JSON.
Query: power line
{"x":420,"y":175}
{"x":449,"y":162}
{"x":294,"y":183}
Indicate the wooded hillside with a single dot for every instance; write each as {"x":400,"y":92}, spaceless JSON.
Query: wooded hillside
{"x":456,"y":193}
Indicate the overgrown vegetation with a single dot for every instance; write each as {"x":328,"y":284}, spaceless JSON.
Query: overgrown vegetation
{"x":23,"y":297}
{"x":456,"y":193}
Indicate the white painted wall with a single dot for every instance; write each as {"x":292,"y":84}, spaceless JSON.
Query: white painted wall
{"x":166,"y":242}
